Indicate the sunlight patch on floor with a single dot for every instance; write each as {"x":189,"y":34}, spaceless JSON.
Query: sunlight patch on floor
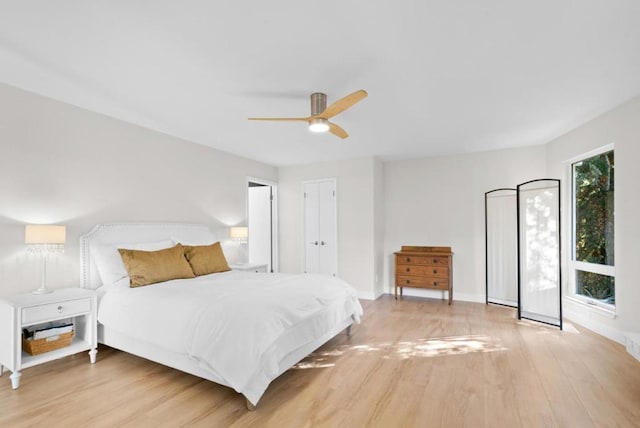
{"x":403,"y":350}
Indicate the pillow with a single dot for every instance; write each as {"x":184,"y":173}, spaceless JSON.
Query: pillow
{"x":109,"y":263}
{"x":206,"y":259}
{"x":150,"y":267}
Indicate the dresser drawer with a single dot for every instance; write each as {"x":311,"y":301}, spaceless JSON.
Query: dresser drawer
{"x":34,"y":314}
{"x":421,"y":270}
{"x":422,"y":282}
{"x":422,"y":260}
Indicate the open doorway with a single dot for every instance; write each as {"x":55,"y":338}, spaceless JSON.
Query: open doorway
{"x":262,"y":221}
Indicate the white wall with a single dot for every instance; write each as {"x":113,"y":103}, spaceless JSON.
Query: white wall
{"x":439,"y":201}
{"x":355,"y":189}
{"x":62,"y":164}
{"x":621,"y":127}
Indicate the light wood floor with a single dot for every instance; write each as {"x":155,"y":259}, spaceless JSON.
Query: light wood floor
{"x":411,"y":363}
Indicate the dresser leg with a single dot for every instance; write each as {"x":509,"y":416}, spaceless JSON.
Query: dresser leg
{"x":396,"y":292}
{"x":92,"y":355}
{"x":15,"y":379}
{"x":1,"y":369}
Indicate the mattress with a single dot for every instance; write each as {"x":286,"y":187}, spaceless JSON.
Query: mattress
{"x":239,"y":326}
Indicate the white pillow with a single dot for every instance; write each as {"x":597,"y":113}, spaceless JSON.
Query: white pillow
{"x":109,"y":263}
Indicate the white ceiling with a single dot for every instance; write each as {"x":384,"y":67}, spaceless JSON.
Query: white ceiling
{"x":443,"y":76}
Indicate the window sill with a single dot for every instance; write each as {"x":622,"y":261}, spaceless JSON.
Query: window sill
{"x":593,"y":308}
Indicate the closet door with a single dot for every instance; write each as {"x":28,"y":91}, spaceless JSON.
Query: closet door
{"x":320,"y":227}
{"x":501,"y":233}
{"x":260,"y":222}
{"x":539,"y":277}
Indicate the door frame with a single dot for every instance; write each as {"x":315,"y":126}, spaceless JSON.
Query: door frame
{"x":274,"y":216}
{"x":304,"y":219}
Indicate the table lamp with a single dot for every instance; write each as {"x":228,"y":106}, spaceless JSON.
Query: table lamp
{"x":44,"y":239}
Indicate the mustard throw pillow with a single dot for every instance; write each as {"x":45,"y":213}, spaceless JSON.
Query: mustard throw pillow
{"x":149,"y":267}
{"x":206,"y":259}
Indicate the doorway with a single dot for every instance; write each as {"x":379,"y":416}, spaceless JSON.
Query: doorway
{"x":262,"y":221}
{"x":320,"y":227}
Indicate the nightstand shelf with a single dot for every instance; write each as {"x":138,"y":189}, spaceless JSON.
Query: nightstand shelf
{"x":25,"y":310}
{"x":78,"y":345}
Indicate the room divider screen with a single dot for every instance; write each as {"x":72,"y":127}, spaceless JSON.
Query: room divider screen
{"x":501,"y":241}
{"x":539,"y":274}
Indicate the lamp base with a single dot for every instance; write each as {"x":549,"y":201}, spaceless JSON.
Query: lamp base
{"x":42,"y":290}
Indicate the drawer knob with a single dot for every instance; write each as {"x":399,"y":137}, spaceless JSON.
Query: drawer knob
{"x":408,"y":281}
{"x":435,"y":260}
{"x":435,"y":271}
{"x":408,"y":269}
{"x":435,"y":284}
{"x":408,"y":259}
{"x":59,"y":309}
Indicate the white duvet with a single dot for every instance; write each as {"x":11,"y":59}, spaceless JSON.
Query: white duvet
{"x":238,"y":325}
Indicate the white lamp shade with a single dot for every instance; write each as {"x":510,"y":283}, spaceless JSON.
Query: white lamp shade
{"x":239,"y":232}
{"x":44,"y":234}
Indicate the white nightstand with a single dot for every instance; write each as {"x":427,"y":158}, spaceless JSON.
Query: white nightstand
{"x":17,"y":312}
{"x":250,"y":267}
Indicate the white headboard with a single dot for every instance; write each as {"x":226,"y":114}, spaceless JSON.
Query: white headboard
{"x":120,"y":233}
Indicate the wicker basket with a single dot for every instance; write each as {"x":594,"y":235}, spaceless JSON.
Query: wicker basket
{"x":40,"y":346}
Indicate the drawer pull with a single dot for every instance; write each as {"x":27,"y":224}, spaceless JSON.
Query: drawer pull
{"x":59,"y":309}
{"x":408,"y":259}
{"x":408,"y":270}
{"x":408,"y":281}
{"x":435,"y":260}
{"x":435,"y":271}
{"x":435,"y":284}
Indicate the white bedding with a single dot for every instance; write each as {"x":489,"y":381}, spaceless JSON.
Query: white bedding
{"x":238,"y":325}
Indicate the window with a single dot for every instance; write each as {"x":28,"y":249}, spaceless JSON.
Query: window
{"x":592,"y":264}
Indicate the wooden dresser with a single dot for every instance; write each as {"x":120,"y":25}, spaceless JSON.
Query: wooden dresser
{"x":424,"y":267}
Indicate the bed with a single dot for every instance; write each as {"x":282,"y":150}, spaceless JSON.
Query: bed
{"x":237,"y":329}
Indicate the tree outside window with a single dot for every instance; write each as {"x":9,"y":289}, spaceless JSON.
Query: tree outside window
{"x":593,"y":199}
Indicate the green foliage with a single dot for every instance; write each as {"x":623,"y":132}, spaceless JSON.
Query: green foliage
{"x":594,"y":196}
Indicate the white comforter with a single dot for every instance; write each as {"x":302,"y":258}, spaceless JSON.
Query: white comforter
{"x":239,"y":325}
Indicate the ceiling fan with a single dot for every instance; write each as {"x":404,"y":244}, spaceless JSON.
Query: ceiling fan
{"x":320,"y":114}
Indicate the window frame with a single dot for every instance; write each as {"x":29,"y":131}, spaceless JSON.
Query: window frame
{"x":575,"y":265}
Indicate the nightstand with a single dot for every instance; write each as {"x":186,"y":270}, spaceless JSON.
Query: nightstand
{"x":250,"y":267}
{"x":24,"y":310}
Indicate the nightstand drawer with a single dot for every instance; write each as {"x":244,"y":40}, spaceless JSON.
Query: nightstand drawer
{"x":34,"y":314}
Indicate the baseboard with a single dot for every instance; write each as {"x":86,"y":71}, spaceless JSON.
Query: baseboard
{"x":369,"y":295}
{"x":632,"y":342}
{"x":431,"y":294}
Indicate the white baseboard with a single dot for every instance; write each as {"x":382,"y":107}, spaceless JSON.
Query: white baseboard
{"x":431,"y":294}
{"x":369,"y":295}
{"x":632,"y":342}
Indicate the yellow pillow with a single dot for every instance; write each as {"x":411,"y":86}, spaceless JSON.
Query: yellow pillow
{"x":149,"y":267}
{"x":206,"y":259}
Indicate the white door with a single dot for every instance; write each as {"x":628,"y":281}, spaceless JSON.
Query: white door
{"x":259,"y":222}
{"x":320,"y":227}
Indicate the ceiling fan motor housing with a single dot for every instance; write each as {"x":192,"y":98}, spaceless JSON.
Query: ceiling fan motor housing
{"x":318,"y":103}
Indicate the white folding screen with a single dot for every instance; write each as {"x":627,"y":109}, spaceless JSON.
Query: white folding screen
{"x":538,"y":207}
{"x":501,"y":230}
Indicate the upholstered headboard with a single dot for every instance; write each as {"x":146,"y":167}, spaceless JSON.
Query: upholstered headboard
{"x":123,"y":233}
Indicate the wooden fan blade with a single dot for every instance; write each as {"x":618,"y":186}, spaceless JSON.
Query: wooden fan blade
{"x":343,"y":103}
{"x":338,"y":131}
{"x":282,"y":119}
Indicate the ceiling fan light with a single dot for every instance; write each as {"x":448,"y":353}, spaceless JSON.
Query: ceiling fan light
{"x":318,"y":125}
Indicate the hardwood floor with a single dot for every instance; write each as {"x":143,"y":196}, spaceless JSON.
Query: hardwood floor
{"x":411,"y":363}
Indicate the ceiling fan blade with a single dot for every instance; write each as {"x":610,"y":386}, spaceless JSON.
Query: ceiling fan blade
{"x":282,"y":119}
{"x":338,"y":131}
{"x":343,"y":103}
